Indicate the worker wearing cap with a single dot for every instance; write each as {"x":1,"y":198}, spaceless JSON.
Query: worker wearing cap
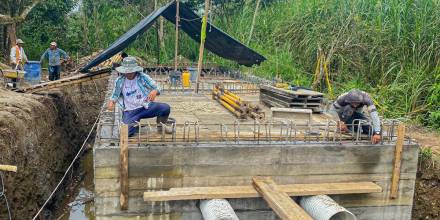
{"x":348,"y":107}
{"x":17,"y":56}
{"x":135,"y":91}
{"x":54,"y":55}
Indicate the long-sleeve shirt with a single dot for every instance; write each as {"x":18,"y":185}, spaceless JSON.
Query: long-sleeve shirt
{"x":145,"y":83}
{"x":54,"y":56}
{"x":363,"y":99}
{"x":17,"y":55}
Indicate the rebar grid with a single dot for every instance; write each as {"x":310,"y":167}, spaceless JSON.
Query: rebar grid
{"x":258,"y":132}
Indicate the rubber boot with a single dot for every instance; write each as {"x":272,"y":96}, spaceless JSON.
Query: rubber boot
{"x":164,"y":123}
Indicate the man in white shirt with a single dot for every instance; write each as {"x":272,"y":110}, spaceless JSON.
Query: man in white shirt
{"x":17,"y":56}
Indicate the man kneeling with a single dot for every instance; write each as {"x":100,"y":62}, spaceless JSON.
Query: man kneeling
{"x":135,"y":91}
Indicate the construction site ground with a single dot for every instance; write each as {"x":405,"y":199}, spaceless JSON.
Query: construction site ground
{"x":41,"y":132}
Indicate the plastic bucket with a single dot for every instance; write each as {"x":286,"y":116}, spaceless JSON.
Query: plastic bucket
{"x":32,"y":73}
{"x":193,"y":71}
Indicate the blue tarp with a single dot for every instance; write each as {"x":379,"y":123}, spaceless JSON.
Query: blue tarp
{"x":216,"y":41}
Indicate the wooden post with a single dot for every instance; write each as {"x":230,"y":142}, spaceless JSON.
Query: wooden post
{"x":123,"y":156}
{"x":176,"y":48}
{"x":397,"y":161}
{"x":202,"y":44}
{"x":278,"y":200}
{"x":8,"y":168}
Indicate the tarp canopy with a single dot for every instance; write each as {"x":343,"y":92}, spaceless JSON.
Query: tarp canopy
{"x":217,"y":41}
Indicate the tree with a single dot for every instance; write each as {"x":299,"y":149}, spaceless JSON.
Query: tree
{"x":11,"y":14}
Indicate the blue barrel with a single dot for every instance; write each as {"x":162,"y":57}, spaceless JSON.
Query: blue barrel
{"x":32,"y":73}
{"x":193,"y":71}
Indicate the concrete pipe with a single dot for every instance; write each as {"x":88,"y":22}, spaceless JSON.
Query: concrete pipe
{"x":217,"y":209}
{"x":322,"y":207}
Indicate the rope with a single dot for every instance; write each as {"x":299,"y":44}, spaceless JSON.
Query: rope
{"x":3,"y":194}
{"x":70,"y":167}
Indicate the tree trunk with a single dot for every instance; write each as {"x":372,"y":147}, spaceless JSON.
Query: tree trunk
{"x":86,"y":31}
{"x":12,"y":35}
{"x":161,"y":33}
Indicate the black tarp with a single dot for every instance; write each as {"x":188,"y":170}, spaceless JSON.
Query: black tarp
{"x":216,"y":41}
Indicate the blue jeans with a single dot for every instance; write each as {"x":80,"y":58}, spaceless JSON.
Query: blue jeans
{"x":155,"y":109}
{"x":54,"y":73}
{"x":349,"y":121}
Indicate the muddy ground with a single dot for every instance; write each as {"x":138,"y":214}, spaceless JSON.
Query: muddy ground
{"x":41,"y":134}
{"x":427,"y":196}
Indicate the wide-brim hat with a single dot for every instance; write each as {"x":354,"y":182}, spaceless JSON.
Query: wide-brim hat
{"x":129,"y":65}
{"x":53,"y":43}
{"x":20,"y":41}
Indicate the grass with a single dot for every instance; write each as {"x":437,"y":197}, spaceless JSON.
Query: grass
{"x":389,"y":48}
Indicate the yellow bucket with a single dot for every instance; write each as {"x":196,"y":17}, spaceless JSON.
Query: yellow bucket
{"x":186,"y":79}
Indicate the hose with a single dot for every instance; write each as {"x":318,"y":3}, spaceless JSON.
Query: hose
{"x":322,"y":207}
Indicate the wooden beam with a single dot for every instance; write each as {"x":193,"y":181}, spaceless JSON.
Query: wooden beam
{"x":81,"y":78}
{"x":279,"y":201}
{"x":8,"y":168}
{"x":176,"y":47}
{"x":123,"y":157}
{"x":202,"y":44}
{"x":397,"y":161}
{"x":230,"y":192}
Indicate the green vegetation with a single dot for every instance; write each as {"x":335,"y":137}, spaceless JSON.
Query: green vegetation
{"x":390,"y":48}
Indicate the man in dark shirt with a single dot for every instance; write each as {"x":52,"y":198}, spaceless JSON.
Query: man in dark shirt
{"x":349,"y":106}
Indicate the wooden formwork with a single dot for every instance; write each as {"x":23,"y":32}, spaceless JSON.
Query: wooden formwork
{"x":162,"y":166}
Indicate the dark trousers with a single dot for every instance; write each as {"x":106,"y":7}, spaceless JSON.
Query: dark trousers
{"x":15,"y":80}
{"x":54,"y":73}
{"x":155,"y":109}
{"x":354,"y":127}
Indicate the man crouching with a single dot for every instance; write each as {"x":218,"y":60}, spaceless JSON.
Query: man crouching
{"x":135,"y":91}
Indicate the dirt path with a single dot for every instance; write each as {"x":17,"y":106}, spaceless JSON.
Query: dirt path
{"x":427,"y":138}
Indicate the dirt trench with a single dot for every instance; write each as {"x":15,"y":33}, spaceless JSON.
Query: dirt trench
{"x":41,"y":134}
{"x":427,"y":195}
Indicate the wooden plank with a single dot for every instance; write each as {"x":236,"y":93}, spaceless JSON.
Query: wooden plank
{"x":8,"y":168}
{"x":191,"y":193}
{"x":68,"y":81}
{"x":278,"y":200}
{"x":397,"y":161}
{"x":123,"y":157}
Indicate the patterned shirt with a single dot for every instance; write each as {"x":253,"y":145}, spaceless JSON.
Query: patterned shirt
{"x":133,"y":97}
{"x":144,"y":83}
{"x":54,"y":56}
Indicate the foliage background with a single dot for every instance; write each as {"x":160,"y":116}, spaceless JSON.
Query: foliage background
{"x":389,"y":48}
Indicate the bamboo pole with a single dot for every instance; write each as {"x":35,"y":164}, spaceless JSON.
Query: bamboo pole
{"x":253,"y":21}
{"x":176,"y":49}
{"x":202,"y":44}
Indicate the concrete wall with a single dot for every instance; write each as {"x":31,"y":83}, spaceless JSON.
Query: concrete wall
{"x":163,"y":167}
